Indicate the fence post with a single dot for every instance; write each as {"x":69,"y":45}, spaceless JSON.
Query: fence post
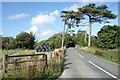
{"x":43,"y":56}
{"x":46,"y":63}
{"x":4,"y":63}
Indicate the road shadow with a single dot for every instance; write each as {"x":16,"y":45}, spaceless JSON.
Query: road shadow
{"x":65,"y":55}
{"x":66,"y":64}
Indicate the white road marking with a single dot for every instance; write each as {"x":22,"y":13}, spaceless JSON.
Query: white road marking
{"x":79,"y":55}
{"x":103,"y":70}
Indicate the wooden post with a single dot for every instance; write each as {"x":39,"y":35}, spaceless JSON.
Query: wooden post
{"x":50,"y":55}
{"x":43,"y":56}
{"x":4,"y":63}
{"x":46,"y":64}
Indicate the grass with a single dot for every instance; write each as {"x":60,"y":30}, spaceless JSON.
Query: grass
{"x":10,"y":52}
{"x":53,"y":71}
{"x":109,"y":54}
{"x":18,"y":51}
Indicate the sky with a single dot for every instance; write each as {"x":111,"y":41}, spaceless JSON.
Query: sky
{"x":43,"y":18}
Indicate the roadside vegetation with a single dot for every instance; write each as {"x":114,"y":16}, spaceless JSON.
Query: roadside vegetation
{"x":37,"y":70}
{"x":104,"y":45}
{"x":12,"y":52}
{"x":109,"y":54}
{"x":19,"y":51}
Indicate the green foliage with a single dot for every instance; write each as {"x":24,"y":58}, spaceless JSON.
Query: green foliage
{"x":108,"y":54}
{"x":7,"y":42}
{"x":0,"y":41}
{"x":25,"y":40}
{"x":108,"y":37}
{"x":79,"y":38}
{"x":39,"y":43}
{"x":53,"y":71}
{"x":94,"y":41}
{"x":68,"y":39}
{"x":97,"y":13}
{"x":17,"y":51}
{"x":71,"y":18}
{"x":54,"y":41}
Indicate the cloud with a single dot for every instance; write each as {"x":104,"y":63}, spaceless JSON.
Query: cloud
{"x":55,"y":13}
{"x":41,"y":20}
{"x":17,"y":16}
{"x":47,"y":32}
{"x":34,"y":30}
{"x":1,"y":33}
{"x":74,"y":7}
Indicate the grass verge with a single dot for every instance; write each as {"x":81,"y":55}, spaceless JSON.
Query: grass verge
{"x":109,"y":54}
{"x":52,"y":72}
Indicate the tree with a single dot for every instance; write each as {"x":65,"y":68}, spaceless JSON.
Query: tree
{"x":71,"y":19}
{"x":80,"y":37}
{"x":96,"y":14}
{"x":54,"y":41}
{"x":25,"y":40}
{"x":108,"y":37}
{"x":64,"y":17}
{"x":7,"y":42}
{"x":0,"y":41}
{"x":71,"y":32}
{"x":83,"y":32}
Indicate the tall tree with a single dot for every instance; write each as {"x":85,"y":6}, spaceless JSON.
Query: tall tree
{"x":64,"y":19}
{"x":0,"y":41}
{"x":108,"y":37}
{"x":83,"y":32}
{"x":25,"y":40}
{"x":70,"y":19}
{"x":71,"y":32}
{"x":96,"y":14}
{"x":7,"y":42}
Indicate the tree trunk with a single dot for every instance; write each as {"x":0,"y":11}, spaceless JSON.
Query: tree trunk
{"x":89,"y":37}
{"x":85,"y":37}
{"x":66,"y":30}
{"x":63,"y":36}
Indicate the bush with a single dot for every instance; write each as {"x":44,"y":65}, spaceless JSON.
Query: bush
{"x":108,"y":37}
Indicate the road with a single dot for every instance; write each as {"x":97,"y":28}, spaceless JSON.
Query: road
{"x":79,"y":64}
